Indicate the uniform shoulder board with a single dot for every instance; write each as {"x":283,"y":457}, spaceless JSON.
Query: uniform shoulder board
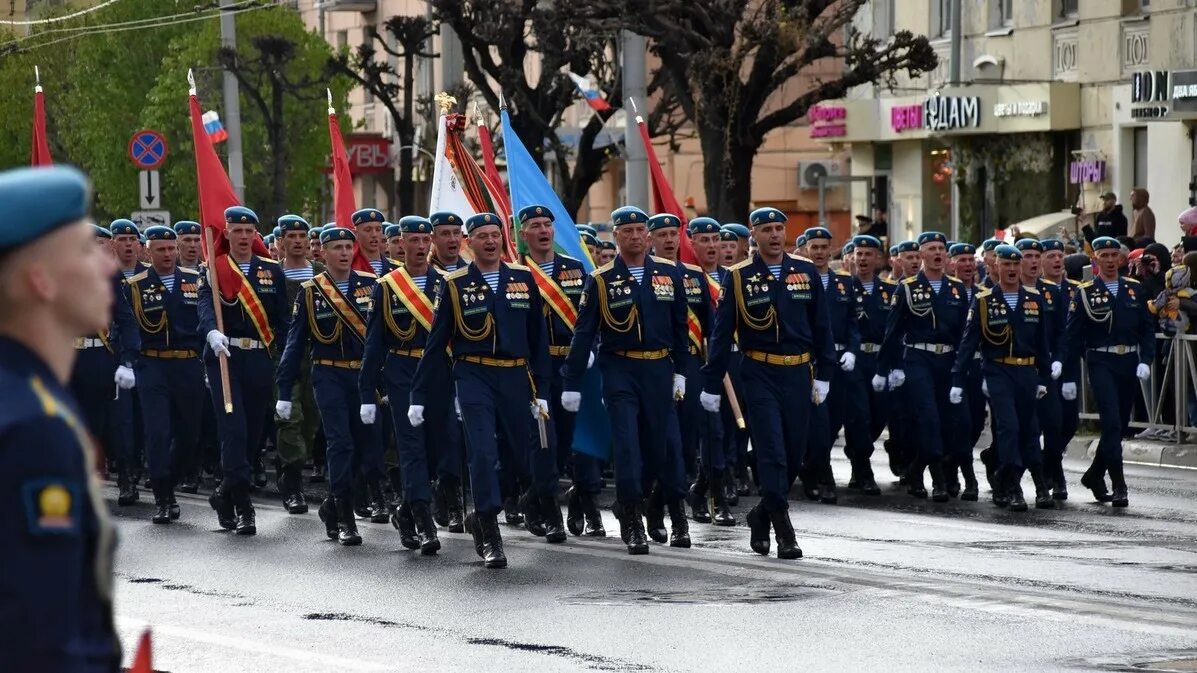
{"x":518,"y":267}
{"x":394,"y":262}
{"x":841,"y":272}
{"x":267,"y":259}
{"x":800,"y":258}
{"x":138,"y":277}
{"x":1048,"y":283}
{"x":662,"y":260}
{"x":886,"y":281}
{"x":693,"y":267}
{"x":984,"y":293}
{"x":1074,"y":283}
{"x":603,"y":269}
{"x":365,"y":274}
{"x":954,"y":279}
{"x":1131,"y":280}
{"x":1030,"y":290}
{"x":458,"y":273}
{"x":1088,"y":283}
{"x":439,"y":270}
{"x":740,"y":265}
{"x":186,"y":269}
{"x":909,"y":279}
{"x":307,"y":284}
{"x":567,"y":258}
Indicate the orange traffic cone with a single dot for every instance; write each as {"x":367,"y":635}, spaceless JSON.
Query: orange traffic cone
{"x":143,"y":660}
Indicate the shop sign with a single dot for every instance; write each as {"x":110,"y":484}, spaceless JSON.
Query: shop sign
{"x":1149,"y":88}
{"x":906,"y":118}
{"x":1025,"y":108}
{"x":948,"y":113}
{"x":828,"y":121}
{"x":1184,"y":90}
{"x":1080,"y":172}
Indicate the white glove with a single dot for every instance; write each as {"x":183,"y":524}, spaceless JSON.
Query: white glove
{"x":896,"y":378}
{"x":386,"y":399}
{"x":1143,"y":372}
{"x":540,"y":409}
{"x":124,"y":378}
{"x":1040,"y":392}
{"x":571,"y":401}
{"x":457,"y":408}
{"x":819,"y":390}
{"x":218,"y":342}
{"x":1057,"y":369}
{"x":848,"y":361}
{"x":679,"y":387}
{"x":415,"y":415}
{"x":367,"y":412}
{"x":590,"y":360}
{"x":282,"y":410}
{"x":956,"y":395}
{"x":1068,"y":391}
{"x":879,"y":383}
{"x":984,"y":387}
{"x":710,"y":402}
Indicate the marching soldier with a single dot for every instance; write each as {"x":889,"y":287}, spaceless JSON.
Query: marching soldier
{"x":775,"y":308}
{"x":1008,"y":325}
{"x":368,"y":224}
{"x":607,"y":252}
{"x":490,"y":316}
{"x":446,"y":242}
{"x":315,"y":252}
{"x":165,"y":301}
{"x":965,"y":257}
{"x":1110,"y":327}
{"x":924,"y":329}
{"x":848,"y":258}
{"x":56,"y":287}
{"x":191,"y":251}
{"x":734,"y":239}
{"x":252,"y":303}
{"x":989,"y":257}
{"x":191,"y":254}
{"x":1053,"y":270}
{"x":394,"y":246}
{"x":871,"y":320}
{"x":908,"y":258}
{"x":589,"y":236}
{"x":126,"y":243}
{"x":636,"y":308}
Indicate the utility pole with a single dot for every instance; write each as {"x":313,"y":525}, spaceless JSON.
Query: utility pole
{"x":635,"y":87}
{"x":954,"y":81}
{"x":232,"y":101}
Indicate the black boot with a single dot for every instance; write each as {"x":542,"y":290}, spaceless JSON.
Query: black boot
{"x":328,"y":514}
{"x":471,"y":525}
{"x":654,"y":515}
{"x":403,"y":519}
{"x":347,"y":533}
{"x":173,"y":505}
{"x":864,"y":477}
{"x":758,"y":530}
{"x":1094,"y":479}
{"x":1118,"y":483}
{"x":1059,"y":482}
{"x":189,"y":483}
{"x":429,"y":542}
{"x":440,"y":503}
{"x":809,"y":486}
{"x":697,"y":499}
{"x":951,"y":478}
{"x":128,"y":489}
{"x":939,"y":488}
{"x":679,"y":528}
{"x":718,"y":503}
{"x":971,"y":490}
{"x":914,"y":482}
{"x":631,"y":528}
{"x":161,"y":502}
{"x":223,"y":504}
{"x":787,"y":543}
{"x":456,"y":508}
{"x":827,"y":494}
{"x":511,"y":511}
{"x":729,"y":487}
{"x":492,"y":542}
{"x":379,"y":511}
{"x":743,"y":483}
{"x":361,"y":498}
{"x":533,"y":519}
{"x":244,"y":507}
{"x":594,"y":518}
{"x":550,"y":512}
{"x":1043,"y":495}
{"x":575,"y":519}
{"x":292,"y":481}
{"x":259,"y":473}
{"x":989,"y":460}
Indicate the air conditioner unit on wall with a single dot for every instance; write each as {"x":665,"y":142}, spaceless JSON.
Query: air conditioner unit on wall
{"x":810,"y":172}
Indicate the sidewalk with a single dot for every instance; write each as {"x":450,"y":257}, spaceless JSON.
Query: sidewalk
{"x":1141,"y":452}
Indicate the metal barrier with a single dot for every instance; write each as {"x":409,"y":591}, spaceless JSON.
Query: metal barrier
{"x":1173,"y":371}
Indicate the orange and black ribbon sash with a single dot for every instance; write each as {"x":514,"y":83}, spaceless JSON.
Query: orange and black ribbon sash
{"x":418,"y":303}
{"x":346,"y":312}
{"x":253,"y":305}
{"x":554,"y":296}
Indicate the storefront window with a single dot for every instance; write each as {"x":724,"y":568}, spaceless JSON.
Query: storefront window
{"x":937,"y":189}
{"x":1140,"y":176}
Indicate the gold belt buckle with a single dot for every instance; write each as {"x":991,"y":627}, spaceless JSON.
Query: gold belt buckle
{"x":938,"y":349}
{"x":786,"y":360}
{"x":1121,"y":349}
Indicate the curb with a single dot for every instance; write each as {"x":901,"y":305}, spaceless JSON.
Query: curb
{"x":1141,"y":452}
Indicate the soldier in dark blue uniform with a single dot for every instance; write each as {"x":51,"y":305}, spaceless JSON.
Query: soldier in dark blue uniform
{"x":964,"y":261}
{"x":733,"y":240}
{"x":875,"y":305}
{"x":396,"y":332}
{"x":55,"y":287}
{"x":1110,"y":327}
{"x":924,"y":329}
{"x":989,"y":257}
{"x":446,"y":241}
{"x":775,"y":308}
{"x":254,"y":311}
{"x":559,"y":280}
{"x":165,"y":302}
{"x":636,"y":307}
{"x":1008,"y":325}
{"x":489,"y":317}
{"x":1052,"y":265}
{"x":369,"y":223}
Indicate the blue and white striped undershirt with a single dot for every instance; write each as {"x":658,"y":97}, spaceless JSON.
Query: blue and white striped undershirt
{"x":343,"y":286}
{"x":128,"y":273}
{"x":547,"y":267}
{"x":169,"y":281}
{"x":868,"y":287}
{"x":377,"y":265}
{"x":244,"y":266}
{"x":714,"y":275}
{"x":826,"y":278}
{"x":936,"y":285}
{"x":420,"y":281}
{"x":637,"y":273}
{"x":1011,"y":299}
{"x":299,"y":273}
{"x":775,"y":269}
{"x":1112,"y":286}
{"x":492,"y":279}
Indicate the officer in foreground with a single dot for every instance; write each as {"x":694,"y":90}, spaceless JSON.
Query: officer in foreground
{"x":55,"y":286}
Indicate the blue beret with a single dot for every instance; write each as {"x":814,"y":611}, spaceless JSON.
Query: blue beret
{"x":866,"y":241}
{"x":101,"y":231}
{"x":588,"y":239}
{"x":123,"y":227}
{"x":528,"y":212}
{"x":444,"y":218}
{"x":739,"y":230}
{"x":607,"y":245}
{"x":893,"y":249}
{"x":482,"y":220}
{"x":586,"y":229}
{"x":1106,"y":243}
{"x":1008,"y":252}
{"x":187,"y":227}
{"x":908,"y":246}
{"x":1028,"y":244}
{"x":393,"y":230}
{"x":240,"y":214}
{"x":800,"y":241}
{"x":141,"y":239}
{"x":414,"y":224}
{"x":848,"y":248}
{"x":703,"y":225}
{"x":932,"y":237}
{"x":663,"y":221}
{"x":817,"y":233}
{"x":314,"y":233}
{"x":1050,"y":244}
{"x":962,"y":249}
{"x":336,"y":234}
{"x":160,"y":233}
{"x":277,"y":231}
{"x":35,"y":201}
{"x":628,"y":215}
{"x":766,"y":216}
{"x":989,"y":244}
{"x":727,"y":235}
{"x":269,"y":239}
{"x":291,"y":223}
{"x":368,"y":215}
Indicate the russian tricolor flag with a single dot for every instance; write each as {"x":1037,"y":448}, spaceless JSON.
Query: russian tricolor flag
{"x":593,"y":96}
{"x":214,"y":128}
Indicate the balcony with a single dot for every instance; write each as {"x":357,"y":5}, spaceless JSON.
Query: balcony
{"x":349,"y":5}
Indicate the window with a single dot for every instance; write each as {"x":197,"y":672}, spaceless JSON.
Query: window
{"x":883,"y":19}
{"x":1005,"y":12}
{"x":342,"y":39}
{"x":1068,"y":8}
{"x":943,"y":18}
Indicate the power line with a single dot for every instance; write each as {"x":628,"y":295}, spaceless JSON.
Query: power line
{"x":90,"y":27}
{"x":57,"y":19}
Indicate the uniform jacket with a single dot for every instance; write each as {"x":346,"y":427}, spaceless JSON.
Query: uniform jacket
{"x":921,"y":315}
{"x":874,"y":312}
{"x":167,"y":320}
{"x":845,"y":297}
{"x":1003,"y":332}
{"x":268,"y":283}
{"x":569,"y":274}
{"x":392,"y":325}
{"x":1097,"y":319}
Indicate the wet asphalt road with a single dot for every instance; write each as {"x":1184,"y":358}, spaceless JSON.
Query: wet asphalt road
{"x":888,"y":583}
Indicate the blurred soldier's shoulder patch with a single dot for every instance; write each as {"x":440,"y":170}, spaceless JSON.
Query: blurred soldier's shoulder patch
{"x":51,"y":506}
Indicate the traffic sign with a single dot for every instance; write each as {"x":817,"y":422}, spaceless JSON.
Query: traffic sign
{"x":151,"y":189}
{"x":147,"y":149}
{"x":150,"y":218}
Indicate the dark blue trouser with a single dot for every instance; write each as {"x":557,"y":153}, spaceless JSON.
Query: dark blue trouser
{"x":559,"y":429}
{"x":353,"y":447}
{"x":848,"y":408}
{"x":714,"y":458}
{"x":410,"y":442}
{"x":109,"y":420}
{"x":1112,"y":380}
{"x":251,"y":384}
{"x":446,"y":448}
{"x":1012,"y":397}
{"x":878,"y":402}
{"x":943,"y":427}
{"x":691,"y":417}
{"x":735,"y":440}
{"x":170,"y":394}
{"x":1049,"y":423}
{"x":777,"y":401}
{"x":1070,"y":418}
{"x":975,"y":401}
{"x":494,"y":401}
{"x":639,"y":397}
{"x":584,"y":469}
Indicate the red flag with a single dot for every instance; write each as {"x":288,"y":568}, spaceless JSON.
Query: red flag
{"x":215,"y":195}
{"x":492,"y":170}
{"x":343,"y":198}
{"x":143,"y":659}
{"x":41,"y":146}
{"x":663,"y":198}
